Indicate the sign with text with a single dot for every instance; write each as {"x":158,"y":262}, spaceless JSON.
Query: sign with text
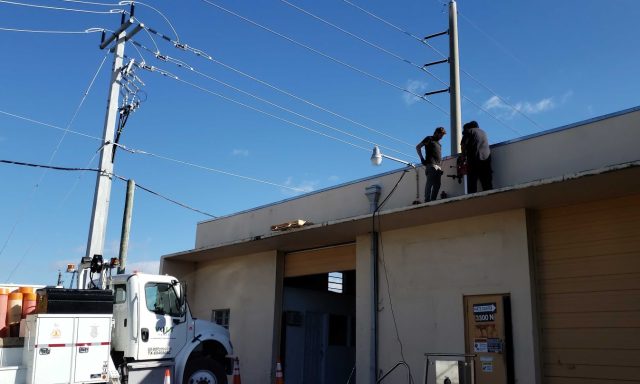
{"x":484,"y":312}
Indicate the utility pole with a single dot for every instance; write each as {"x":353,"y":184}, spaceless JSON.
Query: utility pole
{"x":102,"y":194}
{"x":454,"y":77}
{"x":126,"y":227}
{"x":454,"y":82}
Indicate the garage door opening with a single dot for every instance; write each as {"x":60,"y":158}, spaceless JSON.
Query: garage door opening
{"x":318,"y":328}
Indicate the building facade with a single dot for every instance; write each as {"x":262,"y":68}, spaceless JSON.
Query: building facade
{"x":535,"y":281}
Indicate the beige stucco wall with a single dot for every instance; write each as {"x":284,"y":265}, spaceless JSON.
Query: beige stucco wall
{"x":430,"y":268}
{"x":247,"y":286}
{"x":588,"y":146}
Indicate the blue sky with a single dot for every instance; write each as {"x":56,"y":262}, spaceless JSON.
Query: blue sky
{"x":556,"y":62}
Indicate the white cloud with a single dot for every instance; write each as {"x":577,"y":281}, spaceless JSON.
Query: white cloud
{"x":304,"y":186}
{"x":530,"y":108}
{"x":567,"y":95}
{"x":333,"y":178}
{"x":146,"y":266}
{"x":240,"y":152}
{"x":414,"y":86}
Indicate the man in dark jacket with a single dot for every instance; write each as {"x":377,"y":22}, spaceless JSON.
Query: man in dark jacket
{"x":475,"y":146}
{"x":432,"y":161}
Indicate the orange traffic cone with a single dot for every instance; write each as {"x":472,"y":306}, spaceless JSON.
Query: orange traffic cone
{"x":236,"y":372}
{"x":279,"y":376}
{"x":167,"y":376}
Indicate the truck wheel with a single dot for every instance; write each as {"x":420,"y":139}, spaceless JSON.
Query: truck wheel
{"x":204,"y":370}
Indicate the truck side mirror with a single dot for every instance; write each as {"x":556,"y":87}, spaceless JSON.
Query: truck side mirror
{"x":180,"y":290}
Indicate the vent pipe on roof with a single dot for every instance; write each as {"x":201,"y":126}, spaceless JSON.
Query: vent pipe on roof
{"x":373,"y":194}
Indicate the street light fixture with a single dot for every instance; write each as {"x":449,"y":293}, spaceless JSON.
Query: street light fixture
{"x":376,"y":158}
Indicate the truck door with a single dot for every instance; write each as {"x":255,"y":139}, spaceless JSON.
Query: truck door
{"x":163,"y":329}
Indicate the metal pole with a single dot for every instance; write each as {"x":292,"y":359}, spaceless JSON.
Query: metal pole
{"x":374,"y":306}
{"x":454,"y":69}
{"x":373,"y":194}
{"x":101,"y":197}
{"x":126,"y":226}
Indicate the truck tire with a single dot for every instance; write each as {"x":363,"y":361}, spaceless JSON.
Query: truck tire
{"x":204,"y":370}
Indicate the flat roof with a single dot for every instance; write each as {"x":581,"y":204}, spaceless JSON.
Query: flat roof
{"x":378,"y":175}
{"x":607,"y":182}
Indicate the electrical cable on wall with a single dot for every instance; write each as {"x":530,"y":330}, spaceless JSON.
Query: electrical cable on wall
{"x":386,"y":273}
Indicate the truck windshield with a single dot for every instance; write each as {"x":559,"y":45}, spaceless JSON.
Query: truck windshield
{"x":161,"y":299}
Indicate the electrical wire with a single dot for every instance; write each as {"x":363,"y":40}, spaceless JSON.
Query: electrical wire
{"x":176,"y":78}
{"x":338,"y":61}
{"x":194,"y":165}
{"x":206,"y":56}
{"x":139,"y":151}
{"x":517,"y":110}
{"x":187,"y":66}
{"x":49,"y":125}
{"x":61,"y":8}
{"x":89,"y":30}
{"x":167,"y":198}
{"x":127,"y":2}
{"x":75,"y":169}
{"x":384,"y":21}
{"x":91,"y":3}
{"x":48,"y":166}
{"x":66,"y":130}
{"x":386,"y":272}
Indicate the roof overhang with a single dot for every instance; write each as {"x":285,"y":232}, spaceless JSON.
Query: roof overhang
{"x":608,"y":182}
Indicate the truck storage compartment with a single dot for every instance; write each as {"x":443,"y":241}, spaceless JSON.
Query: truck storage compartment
{"x":59,"y":301}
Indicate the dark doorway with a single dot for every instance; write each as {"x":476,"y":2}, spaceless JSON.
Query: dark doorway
{"x":318,"y":328}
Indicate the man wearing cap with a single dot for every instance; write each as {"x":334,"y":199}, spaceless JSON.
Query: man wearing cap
{"x":432,"y":161}
{"x":475,"y":146}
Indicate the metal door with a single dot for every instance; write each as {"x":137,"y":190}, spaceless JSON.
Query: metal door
{"x":315,"y":344}
{"x":488,"y":335}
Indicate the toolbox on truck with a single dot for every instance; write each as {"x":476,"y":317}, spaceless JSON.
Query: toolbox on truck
{"x":60,"y":300}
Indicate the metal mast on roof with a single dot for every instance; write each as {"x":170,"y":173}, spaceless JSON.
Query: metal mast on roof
{"x":454,"y":77}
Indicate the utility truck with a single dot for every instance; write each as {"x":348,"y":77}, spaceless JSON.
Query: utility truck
{"x":128,"y":328}
{"x":125,"y":328}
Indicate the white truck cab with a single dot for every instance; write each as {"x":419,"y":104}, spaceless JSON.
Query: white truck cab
{"x":153,"y":329}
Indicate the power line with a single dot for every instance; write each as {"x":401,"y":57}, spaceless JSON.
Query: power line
{"x":126,"y":2}
{"x":61,"y":8}
{"x":176,"y":78}
{"x":194,"y":165}
{"x":206,"y":56}
{"x":75,"y":169}
{"x":33,"y":165}
{"x":187,"y":66}
{"x":167,"y":198}
{"x":91,"y":3}
{"x":338,"y":61}
{"x":517,"y":110}
{"x":50,"y":125}
{"x":89,"y":30}
{"x":53,"y":154}
{"x":139,"y":151}
{"x":384,"y":21}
